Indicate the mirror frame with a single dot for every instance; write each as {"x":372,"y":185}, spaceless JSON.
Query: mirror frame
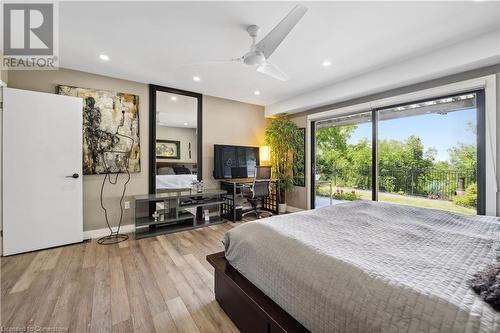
{"x":152,"y":131}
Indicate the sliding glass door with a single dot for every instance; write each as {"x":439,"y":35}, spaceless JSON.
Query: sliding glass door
{"x":343,"y":159}
{"x":427,"y":154}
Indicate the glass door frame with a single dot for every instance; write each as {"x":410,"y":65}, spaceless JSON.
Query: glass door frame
{"x":481,"y":147}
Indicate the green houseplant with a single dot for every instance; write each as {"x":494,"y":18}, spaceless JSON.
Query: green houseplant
{"x":283,"y":137}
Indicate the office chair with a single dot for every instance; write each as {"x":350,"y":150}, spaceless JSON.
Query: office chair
{"x":259,"y":190}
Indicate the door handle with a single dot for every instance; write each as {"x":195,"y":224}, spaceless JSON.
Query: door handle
{"x":75,"y":175}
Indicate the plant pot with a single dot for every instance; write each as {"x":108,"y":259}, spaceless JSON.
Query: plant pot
{"x":281,"y":208}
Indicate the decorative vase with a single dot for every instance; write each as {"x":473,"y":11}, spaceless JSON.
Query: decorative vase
{"x":282,"y":208}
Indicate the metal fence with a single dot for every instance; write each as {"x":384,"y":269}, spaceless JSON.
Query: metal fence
{"x":431,"y":183}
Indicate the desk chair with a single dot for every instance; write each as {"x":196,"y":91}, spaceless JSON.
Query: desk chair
{"x":259,"y":190}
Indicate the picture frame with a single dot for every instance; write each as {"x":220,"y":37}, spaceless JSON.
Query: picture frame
{"x":168,"y":149}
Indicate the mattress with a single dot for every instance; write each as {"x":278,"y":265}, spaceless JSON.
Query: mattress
{"x":164,"y":182}
{"x":371,"y":267}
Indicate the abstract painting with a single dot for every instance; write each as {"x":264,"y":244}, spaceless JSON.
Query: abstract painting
{"x":110,"y":130}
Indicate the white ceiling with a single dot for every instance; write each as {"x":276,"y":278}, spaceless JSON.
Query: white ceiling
{"x":176,"y":110}
{"x":148,"y":42}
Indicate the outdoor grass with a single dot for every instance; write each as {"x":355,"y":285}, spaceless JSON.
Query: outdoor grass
{"x":410,"y":201}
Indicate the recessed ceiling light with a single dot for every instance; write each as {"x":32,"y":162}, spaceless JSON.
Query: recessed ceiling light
{"x":104,"y":57}
{"x":173,"y":98}
{"x":326,"y":63}
{"x":256,"y":92}
{"x":185,"y":124}
{"x":196,"y":78}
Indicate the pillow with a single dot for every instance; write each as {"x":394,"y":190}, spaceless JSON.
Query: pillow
{"x":487,"y":285}
{"x":180,"y":170}
{"x":166,"y":171}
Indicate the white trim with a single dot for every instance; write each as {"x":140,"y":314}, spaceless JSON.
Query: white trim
{"x":98,"y":233}
{"x":291,"y":209}
{"x":488,"y":83}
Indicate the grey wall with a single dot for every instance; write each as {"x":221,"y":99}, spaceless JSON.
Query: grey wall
{"x":299,"y":196}
{"x":224,"y":121}
{"x":185,"y":136}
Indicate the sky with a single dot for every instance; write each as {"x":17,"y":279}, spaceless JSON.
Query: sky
{"x":439,"y":131}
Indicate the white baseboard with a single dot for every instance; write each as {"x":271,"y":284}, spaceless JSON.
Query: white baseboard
{"x":291,"y":209}
{"x":98,"y":233}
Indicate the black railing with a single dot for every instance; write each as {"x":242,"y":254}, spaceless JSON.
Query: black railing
{"x":431,"y":183}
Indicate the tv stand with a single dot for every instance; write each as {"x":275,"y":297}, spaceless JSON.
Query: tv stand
{"x":180,"y":210}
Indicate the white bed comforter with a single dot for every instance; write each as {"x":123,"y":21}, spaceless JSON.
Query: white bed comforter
{"x":164,"y":182}
{"x":371,"y":267}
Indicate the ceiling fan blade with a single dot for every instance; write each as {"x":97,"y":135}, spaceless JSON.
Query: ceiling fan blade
{"x":274,"y":38}
{"x":271,"y":70}
{"x":215,"y":62}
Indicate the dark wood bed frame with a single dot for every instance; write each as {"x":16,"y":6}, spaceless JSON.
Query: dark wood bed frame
{"x":247,"y":306}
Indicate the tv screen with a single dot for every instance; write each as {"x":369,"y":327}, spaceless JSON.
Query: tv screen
{"x":235,"y":161}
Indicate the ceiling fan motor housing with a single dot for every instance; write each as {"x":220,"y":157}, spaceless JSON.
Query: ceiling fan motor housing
{"x":254,"y":58}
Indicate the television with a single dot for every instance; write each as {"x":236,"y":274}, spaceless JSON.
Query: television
{"x":235,"y":161}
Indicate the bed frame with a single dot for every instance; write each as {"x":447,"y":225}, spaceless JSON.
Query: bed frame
{"x":247,"y":306}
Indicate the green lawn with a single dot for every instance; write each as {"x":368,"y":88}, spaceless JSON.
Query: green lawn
{"x":409,"y":200}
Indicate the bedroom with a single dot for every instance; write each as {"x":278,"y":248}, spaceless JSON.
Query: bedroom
{"x":150,"y":206}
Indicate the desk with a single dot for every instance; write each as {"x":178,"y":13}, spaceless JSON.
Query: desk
{"x":233,"y":188}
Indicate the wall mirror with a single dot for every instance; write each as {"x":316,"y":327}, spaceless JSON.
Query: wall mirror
{"x":175,"y":139}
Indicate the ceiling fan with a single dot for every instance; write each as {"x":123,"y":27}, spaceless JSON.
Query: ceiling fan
{"x":260,"y":52}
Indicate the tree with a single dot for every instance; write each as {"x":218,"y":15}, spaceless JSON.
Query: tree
{"x":463,"y":157}
{"x":283,"y":136}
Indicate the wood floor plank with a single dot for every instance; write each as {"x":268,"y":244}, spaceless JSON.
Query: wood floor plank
{"x":82,"y":312}
{"x":165,"y":284}
{"x":62,"y":315}
{"x":90,"y":254}
{"x":101,"y":306}
{"x":12,"y":268}
{"x":120,"y":310}
{"x":164,"y":323}
{"x":160,"y":284}
{"x":39,"y":262}
{"x":156,"y":302}
{"x":139,"y":308}
{"x":202,"y":272}
{"x":181,"y":316}
{"x":52,"y":291}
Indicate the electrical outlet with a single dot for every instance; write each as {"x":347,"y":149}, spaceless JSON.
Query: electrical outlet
{"x":126,"y":204}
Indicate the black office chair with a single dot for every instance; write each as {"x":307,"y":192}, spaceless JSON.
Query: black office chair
{"x":259,"y":190}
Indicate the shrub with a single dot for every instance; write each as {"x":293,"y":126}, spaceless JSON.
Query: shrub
{"x":389,"y":183}
{"x":341,"y":195}
{"x":469,"y":198}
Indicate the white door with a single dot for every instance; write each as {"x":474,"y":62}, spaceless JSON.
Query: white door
{"x":42,"y":170}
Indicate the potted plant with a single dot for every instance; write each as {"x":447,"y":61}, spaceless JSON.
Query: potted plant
{"x":283,"y":137}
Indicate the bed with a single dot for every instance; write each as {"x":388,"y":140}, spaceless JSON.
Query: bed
{"x":170,"y":182}
{"x":358,"y":267}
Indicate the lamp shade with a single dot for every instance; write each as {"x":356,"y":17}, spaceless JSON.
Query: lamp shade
{"x":265,"y":153}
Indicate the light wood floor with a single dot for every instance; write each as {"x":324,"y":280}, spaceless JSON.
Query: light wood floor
{"x":161,"y":284}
